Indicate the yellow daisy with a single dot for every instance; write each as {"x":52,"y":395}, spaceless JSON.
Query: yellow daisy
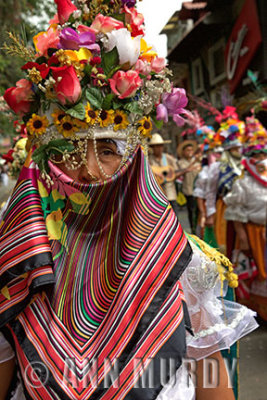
{"x":105,"y":118}
{"x":90,"y":115}
{"x":145,"y":126}
{"x":37,"y":125}
{"x":67,"y":126}
{"x":57,"y":115}
{"x":120,"y":121}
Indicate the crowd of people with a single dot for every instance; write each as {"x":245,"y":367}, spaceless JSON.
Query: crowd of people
{"x":224,"y":175}
{"x":100,"y":286}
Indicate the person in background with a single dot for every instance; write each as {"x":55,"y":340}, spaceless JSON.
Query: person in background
{"x":222,"y":175}
{"x":212,"y":152}
{"x":246,"y":208}
{"x":165,"y":168}
{"x":189,"y":167}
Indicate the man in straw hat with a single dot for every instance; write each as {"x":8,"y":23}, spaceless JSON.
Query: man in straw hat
{"x":189,"y":167}
{"x":164,"y":167}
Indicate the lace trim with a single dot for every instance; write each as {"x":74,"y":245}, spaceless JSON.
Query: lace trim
{"x":220,"y":327}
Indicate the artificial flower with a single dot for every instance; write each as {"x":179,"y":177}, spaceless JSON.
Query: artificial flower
{"x":128,"y":47}
{"x":128,"y":3}
{"x":158,"y":64}
{"x":125,"y":84}
{"x":80,"y":124}
{"x":72,"y":40}
{"x":67,"y":126}
{"x":105,"y":24}
{"x":42,"y":68}
{"x":146,"y":52}
{"x":145,"y":126}
{"x":67,"y":86}
{"x":134,"y":20}
{"x":54,"y":21}
{"x":120,"y":120}
{"x":19,"y":98}
{"x":37,"y":124}
{"x":90,"y":115}
{"x":46,"y":40}
{"x":173,"y":104}
{"x":105,"y":118}
{"x":64,"y":10}
{"x":57,"y":115}
{"x":228,"y":112}
{"x":143,"y":67}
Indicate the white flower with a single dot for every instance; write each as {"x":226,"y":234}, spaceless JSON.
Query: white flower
{"x":128,"y":47}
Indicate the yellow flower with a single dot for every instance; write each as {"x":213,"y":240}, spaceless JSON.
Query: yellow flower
{"x":146,"y":52}
{"x":67,"y":126}
{"x":80,"y":124}
{"x":105,"y":118}
{"x":145,"y":126}
{"x":37,"y":125}
{"x":58,"y":114}
{"x":120,"y":120}
{"x":90,"y":115}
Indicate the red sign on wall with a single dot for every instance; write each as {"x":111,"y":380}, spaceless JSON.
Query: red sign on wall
{"x":243,"y":43}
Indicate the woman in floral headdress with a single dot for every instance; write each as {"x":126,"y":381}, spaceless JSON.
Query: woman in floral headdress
{"x":223,"y":173}
{"x":91,"y":252}
{"x":246,"y":207}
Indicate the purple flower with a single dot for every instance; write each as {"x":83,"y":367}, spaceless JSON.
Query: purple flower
{"x":128,"y":3}
{"x":173,"y":104}
{"x":72,"y":40}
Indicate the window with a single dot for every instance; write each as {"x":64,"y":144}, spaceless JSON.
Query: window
{"x":197,"y":75}
{"x":216,"y":62}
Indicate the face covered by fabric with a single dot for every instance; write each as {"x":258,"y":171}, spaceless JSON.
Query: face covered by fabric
{"x":91,"y":161}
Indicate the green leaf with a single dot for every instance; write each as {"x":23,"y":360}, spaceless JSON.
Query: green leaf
{"x":116,"y":105}
{"x":157,"y":123}
{"x":77,"y":111}
{"x":133,"y":107}
{"x":95,"y":97}
{"x":110,"y":60}
{"x":107,"y":103}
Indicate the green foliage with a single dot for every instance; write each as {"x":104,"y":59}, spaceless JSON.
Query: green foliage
{"x":77,"y":111}
{"x":110,"y":61}
{"x":22,"y":18}
{"x":94,"y":96}
{"x":44,"y":152}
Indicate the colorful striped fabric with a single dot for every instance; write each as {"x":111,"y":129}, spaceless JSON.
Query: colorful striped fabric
{"x":118,"y":253}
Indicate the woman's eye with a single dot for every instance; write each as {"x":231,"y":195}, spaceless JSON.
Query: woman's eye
{"x":107,"y":152}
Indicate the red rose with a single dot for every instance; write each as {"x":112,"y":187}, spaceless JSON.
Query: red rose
{"x":67,"y":86}
{"x":64,"y":9}
{"x":18,"y":98}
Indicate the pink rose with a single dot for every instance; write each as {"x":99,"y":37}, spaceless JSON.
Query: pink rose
{"x":67,"y":87}
{"x":105,"y":24}
{"x":64,"y":9}
{"x":125,"y":84}
{"x":46,"y":40}
{"x":18,"y":98}
{"x":143,"y":67}
{"x":54,"y":20}
{"x":157,"y":64}
{"x":84,"y":28}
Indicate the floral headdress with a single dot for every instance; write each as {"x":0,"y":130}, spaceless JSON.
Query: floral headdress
{"x":255,"y":137}
{"x":92,"y":70}
{"x":231,"y":129}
